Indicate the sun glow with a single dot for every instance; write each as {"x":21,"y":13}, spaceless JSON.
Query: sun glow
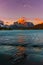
{"x":22,"y":20}
{"x":38,"y":21}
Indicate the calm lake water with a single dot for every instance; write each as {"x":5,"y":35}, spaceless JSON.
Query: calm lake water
{"x":28,"y":41}
{"x":21,"y":37}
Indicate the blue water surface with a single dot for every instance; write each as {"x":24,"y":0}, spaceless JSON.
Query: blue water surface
{"x":11,"y":41}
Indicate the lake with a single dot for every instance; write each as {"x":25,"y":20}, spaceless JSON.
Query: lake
{"x":28,"y":41}
{"x":22,"y":37}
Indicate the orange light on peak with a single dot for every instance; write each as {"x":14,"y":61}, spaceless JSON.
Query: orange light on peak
{"x":21,"y":20}
{"x":38,"y":21}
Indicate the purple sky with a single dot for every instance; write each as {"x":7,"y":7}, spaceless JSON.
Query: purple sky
{"x":19,"y":8}
{"x":11,"y":10}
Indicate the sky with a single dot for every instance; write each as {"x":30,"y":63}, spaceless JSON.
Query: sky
{"x":11,"y":10}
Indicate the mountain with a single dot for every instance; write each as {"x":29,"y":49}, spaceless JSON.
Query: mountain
{"x":2,"y":26}
{"x":17,"y":25}
{"x":21,"y":24}
{"x":38,"y":26}
{"x":26,"y":24}
{"x":30,"y":24}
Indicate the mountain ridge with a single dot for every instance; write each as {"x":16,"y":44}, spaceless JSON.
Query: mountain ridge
{"x":23,"y":25}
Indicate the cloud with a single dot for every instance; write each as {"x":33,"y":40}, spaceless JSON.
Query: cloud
{"x":24,"y":3}
{"x":28,"y":6}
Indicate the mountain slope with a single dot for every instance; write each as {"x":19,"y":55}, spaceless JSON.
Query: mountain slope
{"x":38,"y":26}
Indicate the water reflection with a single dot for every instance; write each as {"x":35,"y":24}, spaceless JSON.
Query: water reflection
{"x":37,"y":49}
{"x":21,"y":51}
{"x":20,"y":48}
{"x":21,"y":39}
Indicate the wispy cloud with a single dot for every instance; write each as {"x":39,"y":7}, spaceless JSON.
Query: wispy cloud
{"x":24,"y":3}
{"x":28,"y":6}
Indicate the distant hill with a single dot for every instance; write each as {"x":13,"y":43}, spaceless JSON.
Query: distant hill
{"x":38,"y":26}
